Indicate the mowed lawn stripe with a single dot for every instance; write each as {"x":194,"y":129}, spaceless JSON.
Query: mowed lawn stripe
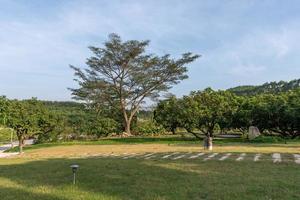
{"x":196,"y":156}
{"x":210,"y":156}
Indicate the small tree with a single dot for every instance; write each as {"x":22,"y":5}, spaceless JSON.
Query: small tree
{"x":121,"y":75}
{"x":204,"y":110}
{"x":23,"y":119}
{"x":28,"y":118}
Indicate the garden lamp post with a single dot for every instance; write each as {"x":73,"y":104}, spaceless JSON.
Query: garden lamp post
{"x":74,"y":169}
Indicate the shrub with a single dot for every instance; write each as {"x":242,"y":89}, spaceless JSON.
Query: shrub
{"x":267,"y":139}
{"x":101,"y":126}
{"x":148,"y":127}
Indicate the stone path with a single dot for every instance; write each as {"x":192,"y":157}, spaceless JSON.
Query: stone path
{"x":257,"y":156}
{"x":169,"y":155}
{"x":211,"y":156}
{"x":274,"y":157}
{"x":178,"y":157}
{"x":297,"y":158}
{"x":225,"y":157}
{"x":147,"y":156}
{"x":242,"y":156}
{"x":196,"y":156}
{"x":130,"y":156}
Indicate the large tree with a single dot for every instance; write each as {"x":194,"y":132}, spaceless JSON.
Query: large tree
{"x":121,"y":75}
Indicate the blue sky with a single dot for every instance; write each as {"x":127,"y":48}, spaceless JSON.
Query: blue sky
{"x":241,"y":42}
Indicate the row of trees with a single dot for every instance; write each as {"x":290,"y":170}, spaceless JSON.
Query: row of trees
{"x":50,"y":121}
{"x":271,"y":88}
{"x":208,"y":111}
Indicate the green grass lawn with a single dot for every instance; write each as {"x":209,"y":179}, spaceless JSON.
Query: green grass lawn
{"x":41,"y":174}
{"x":174,"y":140}
{"x":112,"y":178}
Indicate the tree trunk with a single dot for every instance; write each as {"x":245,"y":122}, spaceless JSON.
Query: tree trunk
{"x":173,"y":131}
{"x":209,"y":143}
{"x":127,"y":127}
{"x":21,"y":143}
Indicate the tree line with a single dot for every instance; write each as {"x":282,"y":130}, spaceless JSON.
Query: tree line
{"x":52,"y":121}
{"x":271,"y":88}
{"x":207,"y":112}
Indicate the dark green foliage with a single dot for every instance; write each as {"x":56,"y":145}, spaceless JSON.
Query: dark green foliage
{"x":50,"y":126}
{"x":148,"y":127}
{"x":65,"y":105}
{"x":268,"y":139}
{"x":167,"y":114}
{"x":99,"y":126}
{"x":207,"y":111}
{"x":83,"y":122}
{"x":272,"y":88}
{"x":272,"y":114}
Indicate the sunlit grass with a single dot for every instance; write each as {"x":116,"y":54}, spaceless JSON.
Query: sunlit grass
{"x":156,"y":144}
{"x":92,"y":150}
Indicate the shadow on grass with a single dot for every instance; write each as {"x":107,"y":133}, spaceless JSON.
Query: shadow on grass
{"x":15,"y":194}
{"x":108,"y":178}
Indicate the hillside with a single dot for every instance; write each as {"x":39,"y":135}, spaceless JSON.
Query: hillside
{"x":272,"y":87}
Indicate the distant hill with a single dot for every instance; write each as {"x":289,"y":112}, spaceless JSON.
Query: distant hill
{"x":63,"y":106}
{"x":272,"y":87}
